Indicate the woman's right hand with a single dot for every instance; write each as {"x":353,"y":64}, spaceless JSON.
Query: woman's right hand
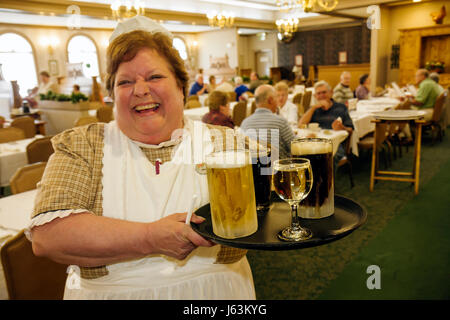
{"x":172,"y":237}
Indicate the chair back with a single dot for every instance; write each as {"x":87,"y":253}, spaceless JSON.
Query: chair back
{"x":306,"y":100}
{"x":27,"y":177}
{"x":239,"y":112}
{"x":26,"y":124}
{"x":2,"y":121}
{"x":29,"y":277}
{"x":85,"y":120}
{"x":192,"y":104}
{"x":193,"y":97}
{"x":253,"y":107}
{"x":11,"y":134}
{"x":439,"y":107}
{"x":104,"y":114}
{"x":232,"y":96}
{"x":39,"y":150}
{"x":298,"y":98}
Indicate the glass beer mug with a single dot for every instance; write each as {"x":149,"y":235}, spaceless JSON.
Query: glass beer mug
{"x":231,"y":193}
{"x":320,"y":201}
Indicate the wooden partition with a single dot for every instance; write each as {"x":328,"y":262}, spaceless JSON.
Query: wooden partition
{"x":331,"y":74}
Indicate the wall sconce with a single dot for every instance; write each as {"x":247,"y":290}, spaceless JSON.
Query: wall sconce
{"x":50,"y":43}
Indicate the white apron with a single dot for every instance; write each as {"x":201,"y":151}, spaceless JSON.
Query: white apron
{"x":133,"y":191}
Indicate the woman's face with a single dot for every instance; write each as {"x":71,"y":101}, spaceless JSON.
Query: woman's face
{"x":282,"y":97}
{"x":149,"y":103}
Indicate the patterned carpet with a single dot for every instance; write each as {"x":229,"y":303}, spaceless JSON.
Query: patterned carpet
{"x":306,"y":274}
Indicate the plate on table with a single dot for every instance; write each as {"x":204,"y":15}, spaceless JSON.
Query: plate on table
{"x":348,"y":216}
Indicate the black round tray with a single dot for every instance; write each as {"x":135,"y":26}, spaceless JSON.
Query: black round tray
{"x":348,"y":216}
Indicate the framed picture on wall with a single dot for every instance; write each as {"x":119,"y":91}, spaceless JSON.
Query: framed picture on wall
{"x":298,"y":60}
{"x":342,"y":57}
{"x":53,"y":67}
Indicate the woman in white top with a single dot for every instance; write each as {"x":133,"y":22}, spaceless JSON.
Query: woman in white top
{"x":288,"y":110}
{"x":112,"y":202}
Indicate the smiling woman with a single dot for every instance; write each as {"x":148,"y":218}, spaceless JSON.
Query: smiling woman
{"x":114,"y":196}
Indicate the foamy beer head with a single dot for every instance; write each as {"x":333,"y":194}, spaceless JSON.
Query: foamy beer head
{"x":309,"y":146}
{"x":231,"y":194}
{"x":320,"y":201}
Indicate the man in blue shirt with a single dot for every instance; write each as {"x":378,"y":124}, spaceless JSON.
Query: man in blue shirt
{"x":240,"y":87}
{"x":328,"y":113}
{"x":198,"y":88}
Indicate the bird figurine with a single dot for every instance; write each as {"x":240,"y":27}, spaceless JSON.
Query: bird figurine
{"x":438,"y":17}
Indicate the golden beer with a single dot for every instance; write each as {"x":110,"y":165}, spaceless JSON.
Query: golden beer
{"x":231,"y":194}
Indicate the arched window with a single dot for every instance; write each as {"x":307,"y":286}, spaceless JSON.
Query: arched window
{"x":82,"y":49}
{"x":179,"y":44}
{"x":17,"y":60}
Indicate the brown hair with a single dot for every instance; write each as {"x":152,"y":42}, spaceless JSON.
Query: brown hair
{"x":217,"y":99}
{"x":125,"y":47}
{"x":45,"y":74}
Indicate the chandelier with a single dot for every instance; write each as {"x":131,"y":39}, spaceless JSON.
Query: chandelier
{"x":220,"y":19}
{"x":287,"y":26}
{"x":132,"y":8}
{"x":307,"y":5}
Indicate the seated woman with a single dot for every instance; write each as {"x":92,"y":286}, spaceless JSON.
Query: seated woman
{"x":362,"y":92}
{"x":219,"y":110}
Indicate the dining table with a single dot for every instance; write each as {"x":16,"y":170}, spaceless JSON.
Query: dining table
{"x":13,"y":155}
{"x":15,"y":215}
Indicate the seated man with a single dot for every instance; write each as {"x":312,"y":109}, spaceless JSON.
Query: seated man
{"x":219,"y":110}
{"x":240,"y":87}
{"x":288,"y":110}
{"x":267,"y":125}
{"x":342,"y":92}
{"x":198,"y":88}
{"x":329,"y":114}
{"x":427,"y":93}
{"x":254,"y":82}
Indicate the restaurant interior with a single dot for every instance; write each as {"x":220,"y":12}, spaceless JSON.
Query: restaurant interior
{"x":395,"y":182}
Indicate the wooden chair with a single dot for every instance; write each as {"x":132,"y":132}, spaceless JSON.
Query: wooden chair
{"x":347,"y":161}
{"x":253,"y":107}
{"x":85,"y":120}
{"x":29,"y":277}
{"x":239,"y":112}
{"x":306,"y":100}
{"x":193,"y":97}
{"x":26,"y":124}
{"x":27,"y":177}
{"x":11,"y":134}
{"x":39,"y":150}
{"x":232,"y":96}
{"x":192,"y":104}
{"x":2,"y":121}
{"x":297,"y":98}
{"x":435,"y":123}
{"x":104,"y":114}
{"x":368,"y":143}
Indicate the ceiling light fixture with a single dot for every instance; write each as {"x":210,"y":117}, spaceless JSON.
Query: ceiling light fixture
{"x":307,"y":5}
{"x":223,"y":19}
{"x":132,"y":8}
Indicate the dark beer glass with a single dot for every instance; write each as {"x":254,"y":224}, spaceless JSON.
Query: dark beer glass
{"x":262,"y":175}
{"x":320,"y":201}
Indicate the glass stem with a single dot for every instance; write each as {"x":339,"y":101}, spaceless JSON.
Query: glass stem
{"x":295,"y":224}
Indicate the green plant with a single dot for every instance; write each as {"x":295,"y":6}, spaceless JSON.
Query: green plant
{"x":435,"y":65}
{"x":74,"y":97}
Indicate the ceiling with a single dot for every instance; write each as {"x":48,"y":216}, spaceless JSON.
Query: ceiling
{"x":251,"y":16}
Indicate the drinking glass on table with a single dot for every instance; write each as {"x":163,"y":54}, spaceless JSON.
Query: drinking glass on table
{"x":232,"y":194}
{"x":262,"y":178}
{"x":292,"y":181}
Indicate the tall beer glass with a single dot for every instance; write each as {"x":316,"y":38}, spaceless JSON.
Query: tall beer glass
{"x":262,"y":178}
{"x":320,"y":201}
{"x":231,"y":194}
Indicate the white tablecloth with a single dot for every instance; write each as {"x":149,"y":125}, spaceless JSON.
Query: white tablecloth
{"x":376,"y":104}
{"x":196,"y":114}
{"x":336,"y":137}
{"x":13,"y":155}
{"x":362,"y":121}
{"x":15,"y":214}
